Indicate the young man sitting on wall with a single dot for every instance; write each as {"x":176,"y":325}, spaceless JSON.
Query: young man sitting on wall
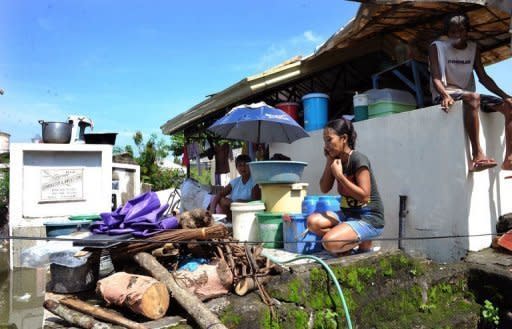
{"x":452,"y":62}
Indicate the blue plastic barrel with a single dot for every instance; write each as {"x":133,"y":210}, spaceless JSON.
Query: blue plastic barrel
{"x":315,"y":110}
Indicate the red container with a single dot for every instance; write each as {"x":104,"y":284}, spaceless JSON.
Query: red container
{"x":290,"y":108}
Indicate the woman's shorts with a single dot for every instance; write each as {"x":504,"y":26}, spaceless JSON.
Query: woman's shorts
{"x":364,"y":230}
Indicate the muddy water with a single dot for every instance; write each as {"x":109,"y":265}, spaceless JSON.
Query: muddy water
{"x":21,"y":295}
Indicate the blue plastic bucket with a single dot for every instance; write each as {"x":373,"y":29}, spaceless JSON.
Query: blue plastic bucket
{"x":293,"y":239}
{"x":315,"y":111}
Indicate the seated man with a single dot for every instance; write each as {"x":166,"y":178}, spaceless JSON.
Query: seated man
{"x":240,"y":189}
{"x":452,"y":63}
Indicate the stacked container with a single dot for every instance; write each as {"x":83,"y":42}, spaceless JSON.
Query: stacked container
{"x":388,"y":101}
{"x":281,"y":192}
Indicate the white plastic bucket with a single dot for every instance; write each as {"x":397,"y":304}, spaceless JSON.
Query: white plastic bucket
{"x":245,"y":224}
{"x":360,"y":107}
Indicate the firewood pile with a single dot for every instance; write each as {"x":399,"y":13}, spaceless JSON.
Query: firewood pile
{"x":231,"y":266}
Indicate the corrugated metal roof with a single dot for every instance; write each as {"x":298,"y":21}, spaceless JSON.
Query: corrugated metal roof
{"x":418,"y":22}
{"x":414,"y":23}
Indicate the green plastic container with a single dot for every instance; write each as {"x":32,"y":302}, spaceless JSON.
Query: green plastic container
{"x":271,"y":229}
{"x":382,"y":108}
{"x":85,"y":217}
{"x":54,"y":229}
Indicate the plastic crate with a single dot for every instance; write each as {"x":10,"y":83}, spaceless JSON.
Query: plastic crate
{"x":382,"y":108}
{"x":295,"y":241}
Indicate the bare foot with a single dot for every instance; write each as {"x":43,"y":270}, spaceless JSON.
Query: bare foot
{"x":479,"y":164}
{"x":507,"y":165}
{"x":365,"y":246}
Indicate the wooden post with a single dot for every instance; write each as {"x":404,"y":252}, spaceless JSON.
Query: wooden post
{"x":74,"y":317}
{"x":100,"y":313}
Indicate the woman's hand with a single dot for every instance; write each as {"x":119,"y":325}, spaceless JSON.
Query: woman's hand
{"x":337,"y":168}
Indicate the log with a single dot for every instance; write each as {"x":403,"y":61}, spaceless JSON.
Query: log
{"x":74,"y":317}
{"x":100,"y":313}
{"x":199,"y":312}
{"x":505,"y":241}
{"x":141,"y":294}
{"x":207,"y":281}
{"x":248,"y":284}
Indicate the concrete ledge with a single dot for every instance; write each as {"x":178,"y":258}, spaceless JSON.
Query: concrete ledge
{"x":423,"y":154}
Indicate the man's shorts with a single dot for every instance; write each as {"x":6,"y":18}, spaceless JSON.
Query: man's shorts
{"x":486,"y":101}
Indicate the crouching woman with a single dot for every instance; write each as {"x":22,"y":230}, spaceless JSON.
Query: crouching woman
{"x":362,"y":214}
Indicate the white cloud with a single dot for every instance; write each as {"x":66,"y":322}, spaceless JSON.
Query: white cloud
{"x":310,"y":36}
{"x":302,"y":44}
{"x":274,"y":54}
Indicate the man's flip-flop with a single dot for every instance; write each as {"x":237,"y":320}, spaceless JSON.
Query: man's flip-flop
{"x":483,"y":164}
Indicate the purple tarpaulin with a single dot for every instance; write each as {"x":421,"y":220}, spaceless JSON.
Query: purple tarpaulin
{"x":142,"y":216}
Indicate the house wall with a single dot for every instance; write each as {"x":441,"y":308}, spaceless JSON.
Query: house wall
{"x":423,"y":154}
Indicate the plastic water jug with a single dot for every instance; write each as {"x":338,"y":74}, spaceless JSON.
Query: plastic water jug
{"x":327,"y":203}
{"x":309,"y":204}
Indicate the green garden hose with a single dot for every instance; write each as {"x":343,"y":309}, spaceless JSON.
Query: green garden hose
{"x":331,"y":275}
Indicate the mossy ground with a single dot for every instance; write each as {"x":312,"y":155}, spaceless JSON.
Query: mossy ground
{"x":391,"y":291}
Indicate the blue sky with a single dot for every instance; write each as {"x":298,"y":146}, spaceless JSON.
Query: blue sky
{"x":132,"y":65}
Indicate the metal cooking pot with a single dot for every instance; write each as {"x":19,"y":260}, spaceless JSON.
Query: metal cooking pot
{"x":56,"y":132}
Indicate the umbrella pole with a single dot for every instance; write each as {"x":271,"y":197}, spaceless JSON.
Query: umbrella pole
{"x":259,"y":131}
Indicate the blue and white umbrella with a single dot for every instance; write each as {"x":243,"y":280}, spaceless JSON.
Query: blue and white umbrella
{"x":258,"y":123}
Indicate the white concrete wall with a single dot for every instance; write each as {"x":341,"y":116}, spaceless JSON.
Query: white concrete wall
{"x":128,"y":176}
{"x":424,"y":154}
{"x":27,"y":160}
{"x":27,"y":209}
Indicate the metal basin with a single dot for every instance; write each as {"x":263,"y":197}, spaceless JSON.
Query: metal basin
{"x":100,"y":138}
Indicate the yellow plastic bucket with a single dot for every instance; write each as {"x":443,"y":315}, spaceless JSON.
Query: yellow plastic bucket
{"x":283,"y":198}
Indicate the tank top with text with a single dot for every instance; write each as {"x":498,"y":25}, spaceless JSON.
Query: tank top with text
{"x":456,"y":67}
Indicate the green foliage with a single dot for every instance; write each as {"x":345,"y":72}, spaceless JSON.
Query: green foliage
{"x":230,"y":318}
{"x":177,"y":143}
{"x":325,"y":320}
{"x":300,"y":318}
{"x":490,"y":313}
{"x":4,"y":189}
{"x":386,"y":267}
{"x":204,"y":178}
{"x":150,"y":154}
{"x":119,"y":150}
{"x":268,"y":322}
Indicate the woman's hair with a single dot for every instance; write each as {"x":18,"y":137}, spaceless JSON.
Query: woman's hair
{"x":456,"y":18}
{"x":344,"y":126}
{"x":242,"y":158}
